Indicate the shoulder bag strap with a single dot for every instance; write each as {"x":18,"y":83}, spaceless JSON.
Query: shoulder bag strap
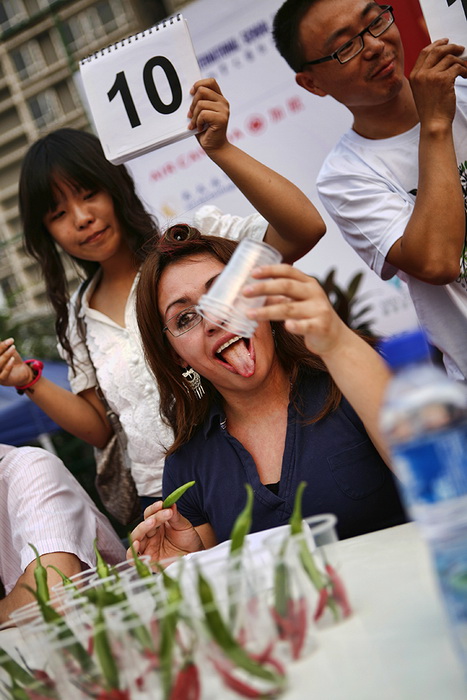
{"x":111,"y":415}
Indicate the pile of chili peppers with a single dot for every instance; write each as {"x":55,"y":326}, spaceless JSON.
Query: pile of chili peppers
{"x":182,"y":649}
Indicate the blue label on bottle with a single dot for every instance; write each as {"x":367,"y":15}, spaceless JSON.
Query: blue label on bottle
{"x":433,"y":468}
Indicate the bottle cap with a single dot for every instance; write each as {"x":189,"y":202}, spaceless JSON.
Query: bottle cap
{"x":403,"y":349}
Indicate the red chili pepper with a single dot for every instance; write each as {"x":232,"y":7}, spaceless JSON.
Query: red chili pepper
{"x":235,"y":683}
{"x":338,"y":589}
{"x":187,"y":685}
{"x":298,"y":611}
{"x":241,"y":637}
{"x":266,"y":657}
{"x":154,"y":629}
{"x":284,"y":625}
{"x":44,"y":678}
{"x":322,"y":602}
{"x":293,"y":626}
{"x":153,"y":665}
{"x":153,"y":658}
{"x":33,"y":695}
{"x":114,"y":694}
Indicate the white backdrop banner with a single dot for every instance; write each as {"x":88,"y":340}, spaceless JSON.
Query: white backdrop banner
{"x":277,"y":122}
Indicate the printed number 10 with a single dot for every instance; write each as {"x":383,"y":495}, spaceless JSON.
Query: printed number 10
{"x":121,"y":86}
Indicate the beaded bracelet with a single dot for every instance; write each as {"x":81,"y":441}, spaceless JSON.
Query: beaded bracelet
{"x":37,"y":366}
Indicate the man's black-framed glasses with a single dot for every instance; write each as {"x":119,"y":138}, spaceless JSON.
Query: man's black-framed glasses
{"x":183,"y":322}
{"x":355,"y":45}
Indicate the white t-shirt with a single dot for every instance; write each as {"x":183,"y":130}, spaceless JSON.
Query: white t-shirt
{"x":369,"y":188}
{"x":122,"y":371}
{"x":41,"y":502}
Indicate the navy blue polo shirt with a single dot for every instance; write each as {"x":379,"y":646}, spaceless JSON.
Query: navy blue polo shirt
{"x":343,"y":470}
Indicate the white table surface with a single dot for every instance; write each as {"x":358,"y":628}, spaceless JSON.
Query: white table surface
{"x":396,"y":645}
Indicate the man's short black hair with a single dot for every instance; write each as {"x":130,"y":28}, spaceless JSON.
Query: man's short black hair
{"x":285,"y":30}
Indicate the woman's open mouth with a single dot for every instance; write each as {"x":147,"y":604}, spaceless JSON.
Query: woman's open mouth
{"x":237,"y":355}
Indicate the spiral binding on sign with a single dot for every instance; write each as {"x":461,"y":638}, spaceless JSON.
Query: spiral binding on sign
{"x":133,"y":37}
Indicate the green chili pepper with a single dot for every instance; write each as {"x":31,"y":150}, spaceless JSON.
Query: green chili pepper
{"x":222,"y":635}
{"x":143,"y":570}
{"x":25,"y":685}
{"x":175,"y":495}
{"x":306,"y":557}
{"x":65,"y":579}
{"x":18,"y":693}
{"x":296,"y":518}
{"x":242,"y":524}
{"x":168,"y":627}
{"x":141,"y":634}
{"x":103,"y":651}
{"x":40,"y":577}
{"x":103,"y":597}
{"x":304,"y":553}
{"x":240,"y":530}
{"x":14,"y":670}
{"x":309,"y":565}
{"x":102,"y":568}
{"x":171,"y":585}
{"x":51,"y":616}
{"x":281,"y":589}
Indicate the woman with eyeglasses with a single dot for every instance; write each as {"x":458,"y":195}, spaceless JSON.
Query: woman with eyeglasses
{"x":76,"y":206}
{"x":297,"y":401}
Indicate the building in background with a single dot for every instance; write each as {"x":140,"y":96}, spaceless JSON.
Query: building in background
{"x":41,"y":43}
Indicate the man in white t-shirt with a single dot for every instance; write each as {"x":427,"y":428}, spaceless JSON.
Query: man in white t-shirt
{"x":396,"y":181}
{"x":43,"y":504}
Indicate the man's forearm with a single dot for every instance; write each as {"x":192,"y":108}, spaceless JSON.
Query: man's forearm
{"x":431,"y":246}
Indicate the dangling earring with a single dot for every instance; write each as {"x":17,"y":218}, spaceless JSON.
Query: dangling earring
{"x":193,"y":380}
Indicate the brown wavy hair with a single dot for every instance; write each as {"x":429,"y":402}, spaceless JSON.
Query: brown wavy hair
{"x":77,"y":158}
{"x":179,"y":407}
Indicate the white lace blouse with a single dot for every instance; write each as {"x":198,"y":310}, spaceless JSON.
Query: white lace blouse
{"x":122,"y":372}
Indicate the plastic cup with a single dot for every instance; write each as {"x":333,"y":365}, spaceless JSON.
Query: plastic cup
{"x":323,"y":528}
{"x":336,"y":604}
{"x":224,"y":304}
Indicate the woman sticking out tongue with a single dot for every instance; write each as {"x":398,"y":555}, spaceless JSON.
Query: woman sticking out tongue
{"x":237,"y":355}
{"x":273,"y":412}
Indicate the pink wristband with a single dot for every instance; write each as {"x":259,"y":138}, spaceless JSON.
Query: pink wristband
{"x":37,"y":366}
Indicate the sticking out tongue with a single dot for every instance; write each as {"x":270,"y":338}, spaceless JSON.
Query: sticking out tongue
{"x":238,"y":356}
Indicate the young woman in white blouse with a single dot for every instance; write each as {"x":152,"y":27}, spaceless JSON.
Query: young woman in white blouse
{"x":74,"y":201}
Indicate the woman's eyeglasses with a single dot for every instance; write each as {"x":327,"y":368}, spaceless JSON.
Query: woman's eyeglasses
{"x":183,"y":322}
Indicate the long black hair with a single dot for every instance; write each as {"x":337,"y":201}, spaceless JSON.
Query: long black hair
{"x":77,"y":158}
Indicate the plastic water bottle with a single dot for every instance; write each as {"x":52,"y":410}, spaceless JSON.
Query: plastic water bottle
{"x":424,"y":420}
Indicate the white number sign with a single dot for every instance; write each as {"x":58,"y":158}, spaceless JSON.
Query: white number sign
{"x":139,"y":89}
